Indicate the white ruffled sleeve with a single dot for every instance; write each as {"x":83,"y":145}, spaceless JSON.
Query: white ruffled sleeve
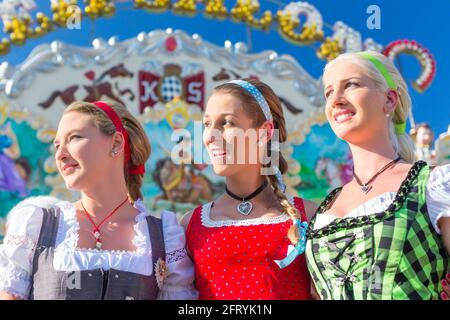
{"x":179,"y":283}
{"x":438,"y":195}
{"x":16,"y":253}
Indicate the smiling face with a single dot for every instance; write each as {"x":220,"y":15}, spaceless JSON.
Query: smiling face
{"x":229,"y":135}
{"x":355,"y":108}
{"x":83,"y":153}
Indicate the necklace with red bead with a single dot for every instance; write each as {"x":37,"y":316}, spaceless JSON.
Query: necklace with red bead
{"x":96,"y":230}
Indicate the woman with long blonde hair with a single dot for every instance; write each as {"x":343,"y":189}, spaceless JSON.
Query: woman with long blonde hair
{"x":386,"y":233}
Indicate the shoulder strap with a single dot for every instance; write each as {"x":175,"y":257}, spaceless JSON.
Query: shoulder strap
{"x":155,"y":228}
{"x":47,"y":237}
{"x":49,"y":228}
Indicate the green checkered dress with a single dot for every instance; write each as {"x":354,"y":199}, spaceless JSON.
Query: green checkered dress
{"x":394,"y":254}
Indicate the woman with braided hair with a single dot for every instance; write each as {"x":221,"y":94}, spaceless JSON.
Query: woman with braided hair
{"x":248,"y":243}
{"x":105,"y":246}
{"x":386,"y":233}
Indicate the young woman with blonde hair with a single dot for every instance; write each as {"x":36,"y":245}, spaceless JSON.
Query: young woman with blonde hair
{"x":106,"y":245}
{"x":386,"y":233}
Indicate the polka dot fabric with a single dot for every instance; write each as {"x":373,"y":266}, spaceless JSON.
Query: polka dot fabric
{"x":266,"y":110}
{"x":257,"y":95}
{"x":236,"y":262}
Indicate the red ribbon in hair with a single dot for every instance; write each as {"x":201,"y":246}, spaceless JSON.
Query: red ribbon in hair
{"x":112,"y":115}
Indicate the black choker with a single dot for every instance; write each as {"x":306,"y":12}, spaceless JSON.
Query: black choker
{"x":245,"y":206}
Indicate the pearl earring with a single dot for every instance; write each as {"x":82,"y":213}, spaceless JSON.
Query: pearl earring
{"x":388,"y":115}
{"x":260,"y":143}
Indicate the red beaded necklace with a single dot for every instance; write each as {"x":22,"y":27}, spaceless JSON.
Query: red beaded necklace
{"x":96,"y":230}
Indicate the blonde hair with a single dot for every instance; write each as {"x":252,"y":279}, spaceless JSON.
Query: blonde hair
{"x":402,"y":143}
{"x":253,"y":109}
{"x":138,"y":141}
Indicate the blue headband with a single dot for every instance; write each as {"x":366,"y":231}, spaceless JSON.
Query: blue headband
{"x":266,"y":110}
{"x":257,"y":95}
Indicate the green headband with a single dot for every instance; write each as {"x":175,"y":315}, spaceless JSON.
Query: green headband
{"x":380,"y":67}
{"x":400,"y":128}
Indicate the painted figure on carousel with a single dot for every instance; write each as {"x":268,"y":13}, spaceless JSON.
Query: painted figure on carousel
{"x":11,"y":179}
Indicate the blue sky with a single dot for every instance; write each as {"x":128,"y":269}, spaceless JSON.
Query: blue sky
{"x":425,"y":22}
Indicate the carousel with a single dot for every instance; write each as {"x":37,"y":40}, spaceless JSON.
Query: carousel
{"x":164,"y":77}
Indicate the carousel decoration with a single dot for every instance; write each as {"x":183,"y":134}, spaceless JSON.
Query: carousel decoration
{"x":62,"y":11}
{"x":345,"y":39}
{"x":187,"y":7}
{"x":27,"y":161}
{"x":99,"y":8}
{"x":289,"y":20}
{"x":298,"y":22}
{"x":157,"y":5}
{"x":329,"y":49}
{"x":245,"y":11}
{"x":18,"y":22}
{"x":427,"y":62}
{"x":215,"y":8}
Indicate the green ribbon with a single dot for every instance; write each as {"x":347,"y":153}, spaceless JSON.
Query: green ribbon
{"x":381,"y":68}
{"x":400,"y":128}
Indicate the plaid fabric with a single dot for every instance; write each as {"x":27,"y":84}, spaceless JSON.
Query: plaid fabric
{"x":395,"y":254}
{"x":171,"y":87}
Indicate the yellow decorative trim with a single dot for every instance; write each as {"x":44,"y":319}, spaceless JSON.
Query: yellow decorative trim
{"x":329,"y":49}
{"x":99,"y":8}
{"x":244,"y":11}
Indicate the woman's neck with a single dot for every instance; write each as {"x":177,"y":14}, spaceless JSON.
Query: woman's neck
{"x":100,"y":202}
{"x":368,"y":160}
{"x":244,"y":183}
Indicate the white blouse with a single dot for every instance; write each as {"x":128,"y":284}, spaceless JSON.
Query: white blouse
{"x":24,"y":224}
{"x":437,"y":199}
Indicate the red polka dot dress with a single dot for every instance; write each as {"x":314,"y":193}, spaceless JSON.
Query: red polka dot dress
{"x":234,"y":260}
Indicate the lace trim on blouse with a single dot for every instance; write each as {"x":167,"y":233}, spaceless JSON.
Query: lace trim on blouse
{"x":208,"y":222}
{"x":20,"y":241}
{"x":176,"y":255}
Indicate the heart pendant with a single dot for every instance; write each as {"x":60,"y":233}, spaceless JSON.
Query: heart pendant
{"x":366,"y":189}
{"x":244,"y":208}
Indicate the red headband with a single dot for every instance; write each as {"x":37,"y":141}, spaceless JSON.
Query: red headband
{"x":112,"y":115}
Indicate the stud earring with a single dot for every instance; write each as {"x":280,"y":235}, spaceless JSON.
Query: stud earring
{"x":260,"y":143}
{"x":113,"y":153}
